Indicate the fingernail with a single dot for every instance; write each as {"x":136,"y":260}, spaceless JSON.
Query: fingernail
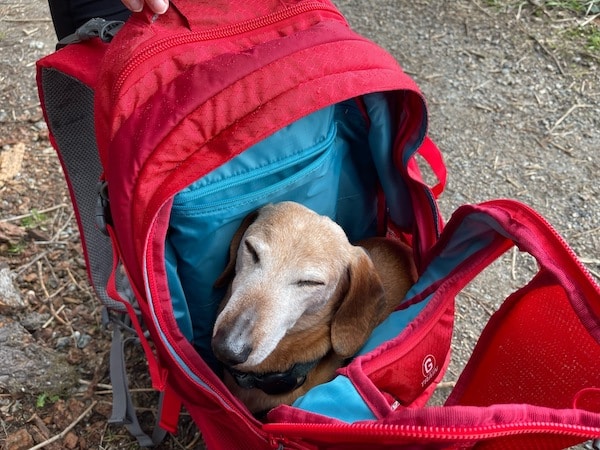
{"x":134,"y":5}
{"x":160,"y":6}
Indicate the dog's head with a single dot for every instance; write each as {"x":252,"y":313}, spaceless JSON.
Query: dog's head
{"x":298,"y":290}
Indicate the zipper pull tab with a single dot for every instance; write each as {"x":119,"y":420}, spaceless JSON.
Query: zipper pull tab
{"x":100,"y":28}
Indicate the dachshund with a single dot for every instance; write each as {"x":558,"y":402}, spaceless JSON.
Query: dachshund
{"x":301,"y":300}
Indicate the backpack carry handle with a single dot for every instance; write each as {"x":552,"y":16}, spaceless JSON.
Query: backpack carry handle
{"x":432,"y":155}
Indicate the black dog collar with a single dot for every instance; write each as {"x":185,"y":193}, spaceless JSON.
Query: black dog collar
{"x":274,"y":383}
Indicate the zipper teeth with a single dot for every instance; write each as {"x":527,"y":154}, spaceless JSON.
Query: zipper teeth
{"x":217,"y":33}
{"x":320,"y":151}
{"x":227,"y":185}
{"x":436,"y":432}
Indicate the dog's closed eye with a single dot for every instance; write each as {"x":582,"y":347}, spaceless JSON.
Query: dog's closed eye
{"x":252,"y":251}
{"x":309,"y":283}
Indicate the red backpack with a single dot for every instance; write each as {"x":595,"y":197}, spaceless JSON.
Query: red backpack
{"x":208,"y":112}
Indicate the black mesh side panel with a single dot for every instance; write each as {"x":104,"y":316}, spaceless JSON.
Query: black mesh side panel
{"x":69,"y":106}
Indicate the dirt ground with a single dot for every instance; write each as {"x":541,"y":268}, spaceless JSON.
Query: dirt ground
{"x":514,"y":95}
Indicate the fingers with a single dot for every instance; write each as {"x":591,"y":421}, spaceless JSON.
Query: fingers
{"x":157,"y":6}
{"x":133,"y":5}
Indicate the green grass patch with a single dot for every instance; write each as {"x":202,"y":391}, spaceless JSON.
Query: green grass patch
{"x":16,"y":249}
{"x":593,"y":40}
{"x":576,"y":6}
{"x":34,"y":219}
{"x":44,"y":398}
{"x":589,"y":36}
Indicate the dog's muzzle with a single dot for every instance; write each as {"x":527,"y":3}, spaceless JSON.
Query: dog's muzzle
{"x":274,"y":383}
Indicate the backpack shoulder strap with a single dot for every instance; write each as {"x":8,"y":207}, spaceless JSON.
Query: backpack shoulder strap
{"x":66,"y":81}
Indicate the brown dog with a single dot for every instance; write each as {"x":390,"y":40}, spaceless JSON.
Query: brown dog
{"x":302,"y":301}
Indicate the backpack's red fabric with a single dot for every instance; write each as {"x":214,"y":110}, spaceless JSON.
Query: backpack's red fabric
{"x":178,"y":95}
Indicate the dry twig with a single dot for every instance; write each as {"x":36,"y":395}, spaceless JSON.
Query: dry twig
{"x":548,"y":52}
{"x":446,"y":384}
{"x":595,"y":273}
{"x":513,"y":271}
{"x":24,"y":267}
{"x":567,"y":114}
{"x":41,"y":277}
{"x":589,"y":19}
{"x":41,"y":211}
{"x":585,"y":233}
{"x":55,"y":315}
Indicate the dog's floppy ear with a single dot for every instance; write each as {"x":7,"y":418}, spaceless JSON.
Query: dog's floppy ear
{"x":228,"y":272}
{"x":360,"y":309}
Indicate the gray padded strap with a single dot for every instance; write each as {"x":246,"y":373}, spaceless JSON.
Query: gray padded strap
{"x":123,"y":412}
{"x":69,"y":106}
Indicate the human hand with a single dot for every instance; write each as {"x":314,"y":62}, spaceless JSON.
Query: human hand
{"x":157,"y":6}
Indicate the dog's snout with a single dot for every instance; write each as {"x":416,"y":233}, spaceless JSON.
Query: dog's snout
{"x":228,"y":353}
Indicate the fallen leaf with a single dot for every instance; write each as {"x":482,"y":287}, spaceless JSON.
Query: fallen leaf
{"x":19,"y":440}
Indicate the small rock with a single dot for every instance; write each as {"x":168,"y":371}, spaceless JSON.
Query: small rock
{"x":10,"y":297}
{"x":40,"y":125}
{"x":19,"y":440}
{"x":39,"y":45}
{"x":34,"y":321}
{"x":63,"y":342}
{"x":83,"y":340}
{"x":29,"y":367}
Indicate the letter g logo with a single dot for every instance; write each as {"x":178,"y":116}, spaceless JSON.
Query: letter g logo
{"x":429,"y":365}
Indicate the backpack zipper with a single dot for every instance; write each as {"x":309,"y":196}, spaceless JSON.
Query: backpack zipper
{"x":310,"y":159}
{"x":164,"y":44}
{"x":403,"y":432}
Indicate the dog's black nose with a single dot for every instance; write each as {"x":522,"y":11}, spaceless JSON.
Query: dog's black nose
{"x":228,"y":354}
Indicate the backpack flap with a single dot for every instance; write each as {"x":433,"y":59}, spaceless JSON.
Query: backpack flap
{"x":542,"y":346}
{"x":167,"y":126}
